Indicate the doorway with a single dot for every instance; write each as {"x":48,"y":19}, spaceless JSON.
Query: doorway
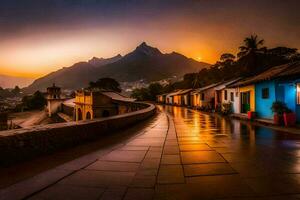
{"x":245,"y":102}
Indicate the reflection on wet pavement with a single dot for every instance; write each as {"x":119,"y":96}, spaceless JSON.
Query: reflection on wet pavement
{"x":185,"y":154}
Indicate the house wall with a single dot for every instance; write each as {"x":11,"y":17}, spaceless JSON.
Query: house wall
{"x":177,"y":100}
{"x":288,"y":94}
{"x":53,"y":106}
{"x":161,"y":99}
{"x":251,"y":89}
{"x":298,"y":105}
{"x":208,"y":96}
{"x":169,"y":100}
{"x":218,"y":97}
{"x":263,"y":105}
{"x":236,"y":98}
{"x":195,"y":100}
{"x":186,"y":99}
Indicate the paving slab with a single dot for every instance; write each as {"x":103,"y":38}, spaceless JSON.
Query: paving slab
{"x":208,"y":169}
{"x":170,"y":159}
{"x":194,"y":157}
{"x":66,"y":192}
{"x":91,"y":178}
{"x":195,"y":147}
{"x":170,"y":174}
{"x":139,"y":193}
{"x":114,"y":193}
{"x":124,"y":156}
{"x":114,"y":166}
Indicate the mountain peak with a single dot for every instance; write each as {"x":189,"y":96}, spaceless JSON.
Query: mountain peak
{"x":147,"y":50}
{"x":103,"y":61}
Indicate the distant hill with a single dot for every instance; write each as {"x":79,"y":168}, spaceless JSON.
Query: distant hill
{"x":11,"y":81}
{"x":145,"y":62}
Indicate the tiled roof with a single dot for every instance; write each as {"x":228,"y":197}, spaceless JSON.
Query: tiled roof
{"x":181,"y":92}
{"x":225,"y":84}
{"x":280,"y":71}
{"x":205,"y":88}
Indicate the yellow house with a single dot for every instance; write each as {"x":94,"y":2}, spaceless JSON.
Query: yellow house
{"x":96,"y":104}
{"x":247,"y":96}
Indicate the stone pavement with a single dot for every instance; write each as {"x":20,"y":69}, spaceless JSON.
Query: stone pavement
{"x":181,"y":154}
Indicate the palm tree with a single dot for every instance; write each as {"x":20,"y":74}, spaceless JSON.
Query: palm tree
{"x":252,"y":45}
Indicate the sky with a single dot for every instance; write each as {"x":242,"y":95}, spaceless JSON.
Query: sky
{"x":41,"y":36}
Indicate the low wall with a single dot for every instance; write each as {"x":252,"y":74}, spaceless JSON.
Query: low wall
{"x":21,"y":144}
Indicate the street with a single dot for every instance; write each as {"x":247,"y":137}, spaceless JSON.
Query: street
{"x":179,"y":154}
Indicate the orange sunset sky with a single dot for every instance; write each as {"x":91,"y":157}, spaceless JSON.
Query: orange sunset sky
{"x":37,"y":38}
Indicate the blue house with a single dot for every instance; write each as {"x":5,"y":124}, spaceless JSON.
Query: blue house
{"x":280,"y":83}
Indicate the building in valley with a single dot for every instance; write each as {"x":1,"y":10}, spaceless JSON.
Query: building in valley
{"x":90,"y":104}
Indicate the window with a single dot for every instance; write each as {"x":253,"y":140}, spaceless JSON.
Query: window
{"x":202,"y":96}
{"x":298,"y":93}
{"x":231,"y":96}
{"x":265,"y":93}
{"x":225,"y":94}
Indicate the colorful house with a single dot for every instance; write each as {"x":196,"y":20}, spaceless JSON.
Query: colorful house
{"x":90,"y":104}
{"x":181,"y":97}
{"x":186,"y":97}
{"x":226,"y":95}
{"x":203,"y":97}
{"x":161,"y":98}
{"x":280,"y":83}
{"x":170,"y":98}
{"x":244,"y":95}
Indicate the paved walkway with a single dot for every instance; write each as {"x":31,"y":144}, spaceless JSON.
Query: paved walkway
{"x":181,"y":154}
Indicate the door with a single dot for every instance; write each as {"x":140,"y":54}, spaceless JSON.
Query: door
{"x":245,"y":102}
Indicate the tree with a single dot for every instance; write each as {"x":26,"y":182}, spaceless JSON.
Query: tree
{"x":227,"y":57}
{"x":154,"y":89}
{"x":251,"y":45}
{"x":149,"y":93}
{"x":36,"y":101}
{"x":284,"y":52}
{"x":106,"y":84}
{"x":141,"y":94}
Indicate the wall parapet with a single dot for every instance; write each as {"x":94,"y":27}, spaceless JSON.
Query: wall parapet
{"x":25,"y":143}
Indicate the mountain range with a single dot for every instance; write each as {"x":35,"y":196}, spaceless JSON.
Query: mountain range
{"x":12,"y":81}
{"x":145,"y":62}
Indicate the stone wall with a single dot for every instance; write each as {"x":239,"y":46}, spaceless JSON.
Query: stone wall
{"x":22,"y":144}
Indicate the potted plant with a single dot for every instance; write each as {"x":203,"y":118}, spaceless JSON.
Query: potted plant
{"x":289,"y":117}
{"x":278,"y":108}
{"x":251,"y":115}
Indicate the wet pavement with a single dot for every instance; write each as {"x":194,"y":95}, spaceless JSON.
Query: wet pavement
{"x":180,"y":154}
